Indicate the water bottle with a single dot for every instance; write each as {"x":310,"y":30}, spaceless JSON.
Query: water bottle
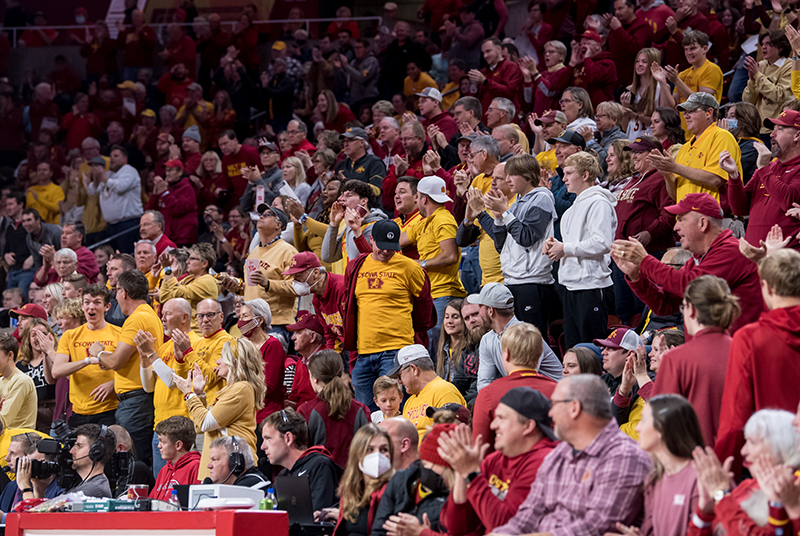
{"x":173,"y":499}
{"x":273,"y":500}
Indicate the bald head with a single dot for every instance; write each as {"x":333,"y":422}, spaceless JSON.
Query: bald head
{"x":209,"y":317}
{"x":405,"y":439}
{"x":176,"y":314}
{"x":124,"y":441}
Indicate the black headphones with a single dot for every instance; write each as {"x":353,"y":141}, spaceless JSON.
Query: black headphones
{"x":236,"y":459}
{"x":98,"y":449}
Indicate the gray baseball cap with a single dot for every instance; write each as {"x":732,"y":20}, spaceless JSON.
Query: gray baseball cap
{"x":698,"y":99}
{"x":495,"y":295}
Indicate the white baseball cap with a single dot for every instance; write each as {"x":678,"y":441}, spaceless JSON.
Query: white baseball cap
{"x":406,"y":355}
{"x":434,"y":187}
{"x":431,"y":93}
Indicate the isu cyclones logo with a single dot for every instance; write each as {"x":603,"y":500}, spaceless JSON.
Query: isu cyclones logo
{"x":375,"y":282}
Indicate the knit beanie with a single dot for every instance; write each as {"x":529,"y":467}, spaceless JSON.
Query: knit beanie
{"x":428,"y":451}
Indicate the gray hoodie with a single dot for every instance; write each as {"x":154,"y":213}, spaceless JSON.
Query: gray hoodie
{"x":332,"y":243}
{"x":271,"y":181}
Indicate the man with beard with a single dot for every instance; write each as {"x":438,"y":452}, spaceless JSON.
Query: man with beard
{"x":120,"y":192}
{"x":466,"y":376}
{"x":176,"y":200}
{"x":174,"y":85}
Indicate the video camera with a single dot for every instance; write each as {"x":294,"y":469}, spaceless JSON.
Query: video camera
{"x":57,"y":448}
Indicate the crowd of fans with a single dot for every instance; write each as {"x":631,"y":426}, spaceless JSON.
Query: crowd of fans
{"x":468,"y":282}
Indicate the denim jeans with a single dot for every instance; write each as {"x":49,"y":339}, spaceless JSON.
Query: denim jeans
{"x":21,"y":279}
{"x":471,"y":272}
{"x":739,"y":80}
{"x":368,"y":368}
{"x":158,"y":461}
{"x":626,"y":303}
{"x":135,"y":414}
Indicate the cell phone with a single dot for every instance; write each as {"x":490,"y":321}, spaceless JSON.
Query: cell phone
{"x":361,"y":211}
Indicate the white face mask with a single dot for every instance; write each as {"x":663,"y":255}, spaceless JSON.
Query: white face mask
{"x":303,"y":288}
{"x":375,"y":464}
{"x":80,"y":19}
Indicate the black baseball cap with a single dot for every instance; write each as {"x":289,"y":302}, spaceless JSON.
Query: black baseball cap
{"x":281,"y":215}
{"x":571,"y":137}
{"x":531,"y":404}
{"x":386,"y":234}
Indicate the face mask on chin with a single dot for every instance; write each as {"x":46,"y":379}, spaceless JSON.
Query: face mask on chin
{"x":432,"y":481}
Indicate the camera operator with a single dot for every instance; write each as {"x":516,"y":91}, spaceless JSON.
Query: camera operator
{"x":35,"y":488}
{"x":221,"y":453}
{"x":23,"y":447}
{"x":90,"y":467}
{"x":124,"y":471}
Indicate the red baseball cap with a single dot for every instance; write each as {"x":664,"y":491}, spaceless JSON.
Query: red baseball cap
{"x":174,"y":163}
{"x":701,"y":203}
{"x":302,"y":262}
{"x":788,"y":118}
{"x":590,"y":34}
{"x":306,"y":320}
{"x":29,"y":309}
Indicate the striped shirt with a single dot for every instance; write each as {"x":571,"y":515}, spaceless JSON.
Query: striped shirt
{"x":585,"y":493}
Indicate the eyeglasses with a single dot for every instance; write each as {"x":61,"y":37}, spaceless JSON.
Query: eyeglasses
{"x":201,"y":316}
{"x":194,"y":258}
{"x":564,"y":101}
{"x":598,"y":116}
{"x":472,"y":155}
{"x":293,"y":132}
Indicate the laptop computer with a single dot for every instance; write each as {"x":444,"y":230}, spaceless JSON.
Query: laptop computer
{"x":294,"y":496}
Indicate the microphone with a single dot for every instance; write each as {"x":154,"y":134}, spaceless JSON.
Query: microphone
{"x":8,"y":469}
{"x":207,"y":480}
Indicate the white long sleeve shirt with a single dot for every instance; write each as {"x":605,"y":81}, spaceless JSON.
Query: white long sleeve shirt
{"x":121,"y":196}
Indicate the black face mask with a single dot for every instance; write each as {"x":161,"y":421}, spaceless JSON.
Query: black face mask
{"x":432,"y":481}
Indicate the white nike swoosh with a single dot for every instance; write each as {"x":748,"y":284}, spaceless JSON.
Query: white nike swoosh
{"x":301,"y":473}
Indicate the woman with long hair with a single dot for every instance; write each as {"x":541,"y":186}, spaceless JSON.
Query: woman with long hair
{"x":770,"y":450}
{"x":294,"y":174}
{"x":233,"y":411}
{"x":669,"y":433}
{"x":308,"y":236}
{"x":255,"y":323}
{"x":238,"y":238}
{"x":580,"y":360}
{"x":577,"y":106}
{"x":323,"y":163}
{"x":641,"y":98}
{"x":666,"y":127}
{"x":213,"y":187}
{"x":456,"y":360}
{"x":368,"y":470}
{"x":334,"y":414}
{"x":743,"y":120}
{"x":31,"y":361}
{"x":620,"y":166}
{"x":53,"y":295}
{"x":663,"y":341}
{"x":334,"y":114}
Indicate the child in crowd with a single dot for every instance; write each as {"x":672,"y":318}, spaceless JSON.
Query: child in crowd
{"x":388,"y":396}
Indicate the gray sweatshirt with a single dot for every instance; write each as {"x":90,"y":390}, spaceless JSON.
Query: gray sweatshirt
{"x":332,"y":243}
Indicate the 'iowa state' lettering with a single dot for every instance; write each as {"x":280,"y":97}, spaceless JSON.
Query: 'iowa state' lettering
{"x":373,"y":275}
{"x":234,"y":170}
{"x":414,"y":414}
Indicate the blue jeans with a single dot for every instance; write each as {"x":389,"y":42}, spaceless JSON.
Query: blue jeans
{"x":739,"y":80}
{"x":135,"y":414}
{"x":626,"y":303}
{"x":158,"y":461}
{"x":368,"y":368}
{"x":21,"y":279}
{"x":471,"y":272}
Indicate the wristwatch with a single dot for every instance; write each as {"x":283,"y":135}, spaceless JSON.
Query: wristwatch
{"x":424,"y":264}
{"x":302,"y":219}
{"x":168,"y":270}
{"x":720,"y":494}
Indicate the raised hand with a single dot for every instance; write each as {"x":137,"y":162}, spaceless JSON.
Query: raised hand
{"x":727,"y":163}
{"x":461,"y":181}
{"x":199,"y":381}
{"x":400,"y":164}
{"x":658,"y":73}
{"x":337,"y":214}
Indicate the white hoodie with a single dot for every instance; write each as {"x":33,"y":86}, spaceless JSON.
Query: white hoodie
{"x":588,"y":228}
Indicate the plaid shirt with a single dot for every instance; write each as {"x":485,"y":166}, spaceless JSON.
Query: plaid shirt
{"x":585,"y":493}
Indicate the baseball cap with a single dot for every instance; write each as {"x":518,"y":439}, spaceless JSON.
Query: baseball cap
{"x":302,"y":262}
{"x":788,"y":118}
{"x":434,"y":187}
{"x":97,"y":160}
{"x":175,"y":163}
{"x":620,"y":338}
{"x":193,"y":132}
{"x":494,"y":295}
{"x":571,"y":137}
{"x":406,"y":355}
{"x":386,"y":234}
{"x":29,"y":309}
{"x":641,"y":145}
{"x":695,"y":100}
{"x":431,"y":93}
{"x":701,"y":203}
{"x":281,"y":215}
{"x":194,"y":86}
{"x":590,"y":34}
{"x":278,"y":45}
{"x":148,"y":113}
{"x":355,"y":133}
{"x":531,"y":404}
{"x":127,"y":84}
{"x":306,"y":320}
{"x":264,"y":143}
{"x":553,"y":116}
{"x":462,"y":413}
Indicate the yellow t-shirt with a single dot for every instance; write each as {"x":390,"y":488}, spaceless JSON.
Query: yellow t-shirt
{"x":703,"y":153}
{"x":145,"y":318}
{"x":5,"y":442}
{"x":47,"y":203}
{"x":18,"y":400}
{"x":75,"y":344}
{"x":194,"y":289}
{"x":410,"y":87}
{"x":169,"y":402}
{"x":448,"y":101}
{"x":436,"y":394}
{"x":383,"y":295}
{"x":206,"y":352}
{"x":427,"y":235}
{"x":708,"y":75}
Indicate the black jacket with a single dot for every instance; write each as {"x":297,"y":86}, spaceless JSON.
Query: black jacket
{"x":279,"y":93}
{"x":323,"y":476}
{"x":400,"y":496}
{"x":114,"y":315}
{"x":252,"y":478}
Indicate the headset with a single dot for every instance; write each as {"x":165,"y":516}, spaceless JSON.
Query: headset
{"x":97,"y":452}
{"x":236,"y":463}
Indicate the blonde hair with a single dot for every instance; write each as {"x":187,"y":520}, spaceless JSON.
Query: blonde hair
{"x":299,"y":170}
{"x":246,"y":365}
{"x":781,"y":271}
{"x":354,"y":494}
{"x":201,"y":171}
{"x":625,"y":168}
{"x":70,"y":308}
{"x":524,"y":344}
{"x":384,"y":383}
{"x":25,"y":354}
{"x":584,"y":162}
{"x":647,"y":104}
{"x":612,"y":109}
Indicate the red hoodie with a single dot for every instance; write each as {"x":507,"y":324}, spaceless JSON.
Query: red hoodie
{"x":184,"y":472}
{"x":597,"y":75}
{"x":762,"y":373}
{"x":179,"y":206}
{"x":505,"y":80}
